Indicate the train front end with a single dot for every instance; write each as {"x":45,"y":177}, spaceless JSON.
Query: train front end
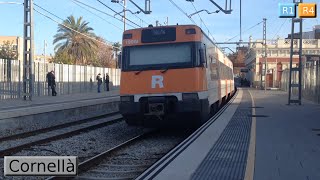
{"x":162,"y":74}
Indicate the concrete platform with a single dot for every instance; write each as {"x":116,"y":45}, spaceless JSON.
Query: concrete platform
{"x":257,"y":137}
{"x":16,"y":114}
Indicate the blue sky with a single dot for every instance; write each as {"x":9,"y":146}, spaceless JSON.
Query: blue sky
{"x":222,"y":26}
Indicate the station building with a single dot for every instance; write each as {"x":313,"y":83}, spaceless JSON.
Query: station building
{"x":17,"y":45}
{"x":239,"y":68}
{"x":278,"y":59}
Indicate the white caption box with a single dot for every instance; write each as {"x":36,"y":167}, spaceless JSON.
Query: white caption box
{"x":40,"y":165}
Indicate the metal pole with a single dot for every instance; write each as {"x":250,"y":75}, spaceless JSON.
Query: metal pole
{"x":300,"y":61}
{"x":240,"y":20}
{"x":265,"y":51}
{"x":44,"y":51}
{"x":291,"y":56}
{"x":28,"y":50}
{"x":124,"y":15}
{"x":318,"y":81}
{"x":38,"y":79}
{"x":19,"y":74}
{"x":68,"y":78}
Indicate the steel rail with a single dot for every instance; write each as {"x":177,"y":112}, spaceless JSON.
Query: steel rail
{"x":15,"y":149}
{"x":55,"y":127}
{"x":155,"y":169}
{"x":96,"y":160}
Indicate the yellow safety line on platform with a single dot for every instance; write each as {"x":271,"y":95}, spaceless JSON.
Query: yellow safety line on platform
{"x":252,"y":147}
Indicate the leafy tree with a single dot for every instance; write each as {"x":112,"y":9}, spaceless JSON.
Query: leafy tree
{"x":62,"y":57}
{"x":104,"y":55}
{"x":79,"y":47}
{"x":7,"y":51}
{"x":116,"y":48}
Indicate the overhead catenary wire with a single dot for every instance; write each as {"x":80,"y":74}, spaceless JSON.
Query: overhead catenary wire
{"x":102,"y":12}
{"x":181,"y":10}
{"x":285,"y":20}
{"x":89,"y":37}
{"x":117,"y":12}
{"x":245,"y":31}
{"x":96,"y":15}
{"x":209,"y":33}
{"x":48,"y":12}
{"x":136,"y":16}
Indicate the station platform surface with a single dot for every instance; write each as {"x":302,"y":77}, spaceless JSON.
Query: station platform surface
{"x":258,"y":136}
{"x":20,"y":109}
{"x":9,"y":104}
{"x":19,"y":116}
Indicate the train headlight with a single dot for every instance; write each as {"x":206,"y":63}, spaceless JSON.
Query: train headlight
{"x":126,"y":98}
{"x":189,"y":96}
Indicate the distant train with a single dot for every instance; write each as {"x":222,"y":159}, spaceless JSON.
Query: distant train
{"x":169,"y":71}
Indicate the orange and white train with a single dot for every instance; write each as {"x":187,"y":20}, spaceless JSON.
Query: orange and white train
{"x":169,"y":71}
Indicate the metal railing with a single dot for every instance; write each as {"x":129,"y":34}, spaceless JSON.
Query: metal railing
{"x":69,"y":78}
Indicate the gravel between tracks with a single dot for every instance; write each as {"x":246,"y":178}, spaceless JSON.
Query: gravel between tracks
{"x":143,"y":153}
{"x":30,"y":124}
{"x":84,"y":145}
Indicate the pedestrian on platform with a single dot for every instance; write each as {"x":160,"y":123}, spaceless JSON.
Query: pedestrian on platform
{"x":107,"y":81}
{"x":99,"y":81}
{"x":53,"y":84}
{"x":48,"y":79}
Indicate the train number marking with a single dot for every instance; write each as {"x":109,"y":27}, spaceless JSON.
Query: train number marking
{"x":132,"y":41}
{"x":157,"y":80}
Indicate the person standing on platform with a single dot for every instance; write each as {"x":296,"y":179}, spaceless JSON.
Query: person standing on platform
{"x":99,"y":79}
{"x":49,"y":82}
{"x":53,"y":84}
{"x":107,"y":81}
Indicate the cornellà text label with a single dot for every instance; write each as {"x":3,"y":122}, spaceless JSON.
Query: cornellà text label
{"x":40,"y":165}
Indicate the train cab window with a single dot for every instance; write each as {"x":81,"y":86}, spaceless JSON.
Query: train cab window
{"x":159,"y":56}
{"x":149,"y":55}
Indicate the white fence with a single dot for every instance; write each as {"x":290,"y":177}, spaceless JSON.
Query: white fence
{"x":310,"y":81}
{"x":69,"y":78}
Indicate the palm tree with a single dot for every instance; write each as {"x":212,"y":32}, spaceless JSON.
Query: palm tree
{"x":116,"y":49}
{"x":78,"y":46}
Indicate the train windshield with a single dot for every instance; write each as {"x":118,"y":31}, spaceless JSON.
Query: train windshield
{"x":158,"y":56}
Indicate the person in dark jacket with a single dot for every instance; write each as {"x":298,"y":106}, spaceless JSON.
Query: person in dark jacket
{"x":49,"y":82}
{"x":99,"y":79}
{"x":107,"y":81}
{"x":53,"y":84}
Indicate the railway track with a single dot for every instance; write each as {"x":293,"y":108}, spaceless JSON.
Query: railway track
{"x":15,"y":143}
{"x":162,"y":163}
{"x":127,"y":160}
